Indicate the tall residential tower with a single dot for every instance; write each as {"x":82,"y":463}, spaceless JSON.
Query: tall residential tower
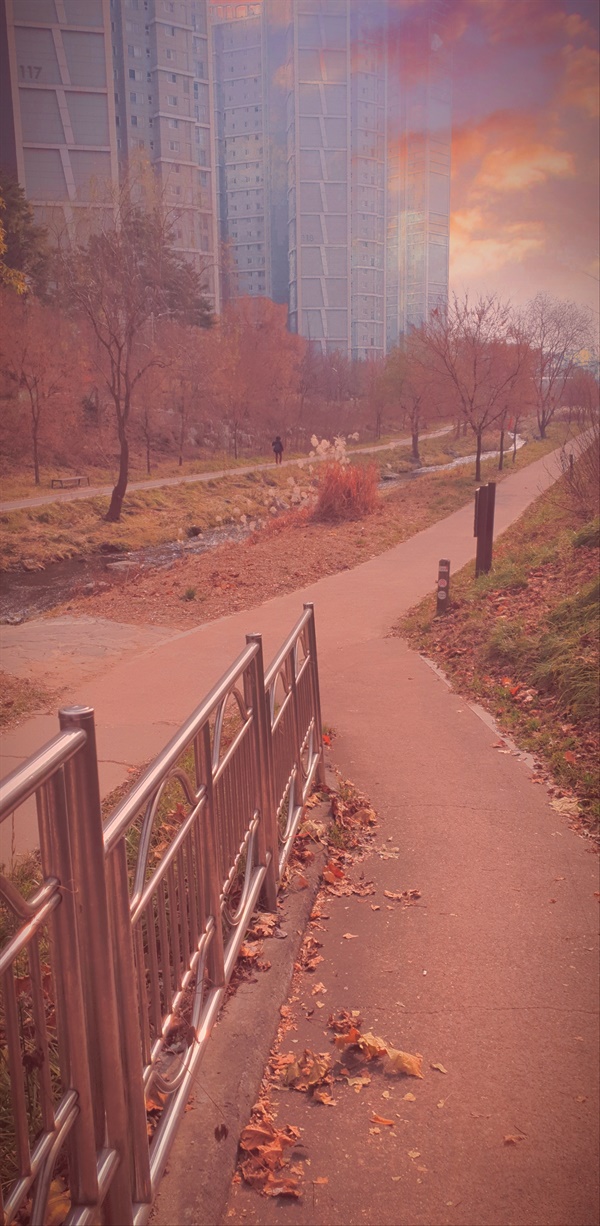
{"x":355,"y":98}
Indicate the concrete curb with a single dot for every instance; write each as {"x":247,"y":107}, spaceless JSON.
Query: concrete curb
{"x":197,"y":1181}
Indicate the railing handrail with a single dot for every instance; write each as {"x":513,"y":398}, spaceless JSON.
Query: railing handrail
{"x":26,"y":778}
{"x":145,"y":930}
{"x":140,"y":793}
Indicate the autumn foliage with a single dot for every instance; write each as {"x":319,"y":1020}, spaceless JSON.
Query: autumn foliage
{"x":346,"y":491}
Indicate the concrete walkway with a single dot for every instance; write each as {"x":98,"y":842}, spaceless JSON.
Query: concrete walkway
{"x":148,"y":686}
{"x":492,"y":974}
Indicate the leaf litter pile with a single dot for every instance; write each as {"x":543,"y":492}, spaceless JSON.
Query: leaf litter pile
{"x":272,"y":1159}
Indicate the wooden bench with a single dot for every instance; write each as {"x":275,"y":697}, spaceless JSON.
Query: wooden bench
{"x":64,"y":483}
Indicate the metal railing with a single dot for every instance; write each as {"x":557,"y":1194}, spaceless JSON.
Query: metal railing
{"x":113,"y":971}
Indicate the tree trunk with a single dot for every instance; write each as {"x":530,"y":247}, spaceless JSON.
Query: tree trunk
{"x":501,"y":456}
{"x":113,"y":514}
{"x":36,"y":458}
{"x":478,"y":457}
{"x":148,"y":455}
{"x":514,"y":454}
{"x":415,"y":445}
{"x":181,"y":436}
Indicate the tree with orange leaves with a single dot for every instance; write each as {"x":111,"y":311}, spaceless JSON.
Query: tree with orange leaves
{"x":39,"y":358}
{"x":257,"y":367}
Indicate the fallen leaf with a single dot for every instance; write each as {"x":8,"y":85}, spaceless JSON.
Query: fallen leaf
{"x":347,"y":1040}
{"x":321,"y":1096}
{"x":374,"y":907}
{"x":351,"y":936}
{"x":414,"y":1153}
{"x":221,"y":1132}
{"x":409,"y":1098}
{"x":58,"y":1204}
{"x":380,"y":1119}
{"x":442,"y":1102}
{"x":512,"y":1139}
{"x":374,"y":1131}
{"x":404,"y":1062}
{"x":319,"y":987}
{"x":321,"y":1179}
{"x":440,"y":1068}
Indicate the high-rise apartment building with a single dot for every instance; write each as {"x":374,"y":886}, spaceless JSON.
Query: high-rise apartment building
{"x":164,"y":117}
{"x":302,"y":147}
{"x":361,"y":98}
{"x":57,"y":119}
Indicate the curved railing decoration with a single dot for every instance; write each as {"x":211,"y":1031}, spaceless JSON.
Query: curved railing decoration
{"x":142,"y":919}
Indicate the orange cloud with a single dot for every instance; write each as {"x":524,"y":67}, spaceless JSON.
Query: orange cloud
{"x":477,"y":249}
{"x":506,"y":169}
{"x":528,"y":21}
{"x":580,"y":85}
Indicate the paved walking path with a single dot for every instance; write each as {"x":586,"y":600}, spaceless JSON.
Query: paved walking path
{"x":41,"y":500}
{"x":492,"y":974}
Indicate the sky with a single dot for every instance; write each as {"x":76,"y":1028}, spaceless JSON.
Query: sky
{"x":524,"y":200}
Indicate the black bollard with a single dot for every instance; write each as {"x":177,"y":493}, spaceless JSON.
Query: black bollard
{"x":485,"y":502}
{"x":443,"y":586}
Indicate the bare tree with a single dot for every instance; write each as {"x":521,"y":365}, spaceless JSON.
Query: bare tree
{"x":39,"y":358}
{"x":557,"y":331}
{"x":124,"y":282}
{"x":478,"y":350}
{"x":414,"y":382}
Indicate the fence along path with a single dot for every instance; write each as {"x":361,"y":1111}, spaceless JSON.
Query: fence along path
{"x":113,"y":971}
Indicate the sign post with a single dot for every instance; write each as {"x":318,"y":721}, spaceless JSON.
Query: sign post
{"x":443,"y":586}
{"x":485,"y":502}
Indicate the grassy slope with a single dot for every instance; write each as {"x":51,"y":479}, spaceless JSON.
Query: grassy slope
{"x":60,"y":530}
{"x":523,"y":641}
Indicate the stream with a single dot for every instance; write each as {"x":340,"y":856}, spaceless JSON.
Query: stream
{"x":26,"y":594}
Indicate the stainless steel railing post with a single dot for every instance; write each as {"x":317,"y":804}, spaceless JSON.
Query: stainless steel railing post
{"x":312,"y":640}
{"x":106,"y":1065}
{"x":268,"y":841}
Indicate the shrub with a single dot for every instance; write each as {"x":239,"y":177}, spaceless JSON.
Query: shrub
{"x":346,"y":491}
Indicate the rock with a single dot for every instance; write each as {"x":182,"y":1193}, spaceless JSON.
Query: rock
{"x":13,"y":619}
{"x":109,"y":547}
{"x":31,"y":564}
{"x":122,"y":566}
{"x":88,"y":589}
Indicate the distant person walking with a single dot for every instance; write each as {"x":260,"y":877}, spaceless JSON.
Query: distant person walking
{"x":277,"y":446}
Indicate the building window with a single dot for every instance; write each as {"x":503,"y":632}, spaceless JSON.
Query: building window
{"x":132,"y":74}
{"x":172,"y":99}
{"x":134,"y":121}
{"x":132,"y":97}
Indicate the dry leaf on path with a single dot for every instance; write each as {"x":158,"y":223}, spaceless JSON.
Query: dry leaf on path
{"x":409,"y":1098}
{"x":380,"y":1119}
{"x":512,"y":1139}
{"x":404,"y":1062}
{"x":351,"y":936}
{"x":440,"y":1068}
{"x":414,"y":1153}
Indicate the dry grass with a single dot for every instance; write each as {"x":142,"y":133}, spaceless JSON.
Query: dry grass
{"x":288,"y":554}
{"x":61,"y":530}
{"x":346,"y":491}
{"x":20,"y":698}
{"x":523,"y":641}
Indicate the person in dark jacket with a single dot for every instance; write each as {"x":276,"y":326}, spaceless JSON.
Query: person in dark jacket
{"x":277,"y":446}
